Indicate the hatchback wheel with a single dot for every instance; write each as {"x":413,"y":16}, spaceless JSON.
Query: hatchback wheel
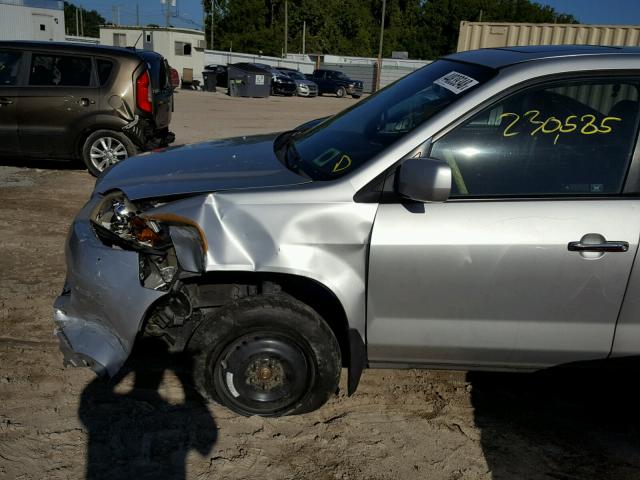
{"x":104,"y":148}
{"x":267,"y":355}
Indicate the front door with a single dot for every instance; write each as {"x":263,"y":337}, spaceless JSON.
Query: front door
{"x":10,"y":62}
{"x":58,"y":102}
{"x":527,"y":264}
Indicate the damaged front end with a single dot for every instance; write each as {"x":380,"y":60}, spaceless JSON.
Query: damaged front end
{"x":120,"y":262}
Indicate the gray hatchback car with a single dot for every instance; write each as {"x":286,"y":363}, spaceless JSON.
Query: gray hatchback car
{"x":481,"y":213}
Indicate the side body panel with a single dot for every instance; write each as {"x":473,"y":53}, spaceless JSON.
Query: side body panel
{"x":493,"y":283}
{"x":627,"y":338}
{"x":291,"y":231}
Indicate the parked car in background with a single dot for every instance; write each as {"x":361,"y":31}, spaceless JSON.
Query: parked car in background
{"x":222,"y":75}
{"x":96,"y":103}
{"x":305,"y":87}
{"x":333,"y":81}
{"x":479,"y":213}
{"x":281,"y":83}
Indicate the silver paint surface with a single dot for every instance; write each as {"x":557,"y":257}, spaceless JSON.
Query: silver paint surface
{"x":461,"y":283}
{"x":106,"y":301}
{"x":493,"y":283}
{"x":232,"y":163}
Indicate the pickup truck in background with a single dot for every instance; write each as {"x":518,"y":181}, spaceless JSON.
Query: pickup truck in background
{"x":333,"y":81}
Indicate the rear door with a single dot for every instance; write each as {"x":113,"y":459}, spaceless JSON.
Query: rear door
{"x":58,"y":102}
{"x":527,"y":264}
{"x":10,"y":69}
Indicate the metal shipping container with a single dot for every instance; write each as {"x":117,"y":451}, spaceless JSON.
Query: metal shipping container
{"x":475,"y":35}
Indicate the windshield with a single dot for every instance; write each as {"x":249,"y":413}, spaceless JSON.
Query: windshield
{"x":348,"y":140}
{"x":292,"y":74}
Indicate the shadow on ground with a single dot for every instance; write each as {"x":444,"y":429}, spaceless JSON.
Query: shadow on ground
{"x":578,"y":423}
{"x":44,"y":164}
{"x":139,"y":434}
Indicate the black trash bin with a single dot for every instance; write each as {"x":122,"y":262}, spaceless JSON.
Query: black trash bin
{"x":209,"y":81}
{"x":247,"y":80}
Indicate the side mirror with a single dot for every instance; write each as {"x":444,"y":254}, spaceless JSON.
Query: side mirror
{"x":424,"y":180}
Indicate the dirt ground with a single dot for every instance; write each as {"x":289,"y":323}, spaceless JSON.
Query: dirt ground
{"x":58,"y":423}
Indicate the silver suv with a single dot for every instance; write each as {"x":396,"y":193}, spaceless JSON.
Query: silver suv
{"x":481,"y":213}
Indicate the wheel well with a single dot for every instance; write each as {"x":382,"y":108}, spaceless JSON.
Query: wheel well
{"x":82,"y":137}
{"x":304,"y":289}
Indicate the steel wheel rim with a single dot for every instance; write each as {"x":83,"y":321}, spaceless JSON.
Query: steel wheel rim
{"x":106,"y":151}
{"x":256,"y":352}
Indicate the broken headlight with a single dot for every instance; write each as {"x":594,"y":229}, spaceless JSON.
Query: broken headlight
{"x":119,"y":222}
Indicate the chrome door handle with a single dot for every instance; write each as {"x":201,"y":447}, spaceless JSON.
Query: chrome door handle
{"x":614,"y":246}
{"x":85,"y":102}
{"x":5,"y":101}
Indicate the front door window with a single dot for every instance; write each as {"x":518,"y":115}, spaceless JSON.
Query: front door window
{"x":567,"y":138}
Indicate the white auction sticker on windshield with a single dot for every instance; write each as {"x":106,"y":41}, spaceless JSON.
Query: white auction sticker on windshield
{"x":456,"y":82}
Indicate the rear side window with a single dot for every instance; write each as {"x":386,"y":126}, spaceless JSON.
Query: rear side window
{"x":9,"y":67}
{"x":570,"y":138}
{"x":60,"y":71}
{"x":104,"y":71}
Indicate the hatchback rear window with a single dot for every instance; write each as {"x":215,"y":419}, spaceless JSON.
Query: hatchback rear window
{"x":60,"y":71}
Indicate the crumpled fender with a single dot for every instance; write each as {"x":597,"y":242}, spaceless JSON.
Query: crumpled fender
{"x":289,"y":231}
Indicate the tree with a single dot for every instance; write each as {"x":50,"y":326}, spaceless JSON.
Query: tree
{"x":91,"y":21}
{"x":424,"y":28}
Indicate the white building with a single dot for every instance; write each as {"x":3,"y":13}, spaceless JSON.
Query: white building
{"x":182,"y":47}
{"x":32,"y":20}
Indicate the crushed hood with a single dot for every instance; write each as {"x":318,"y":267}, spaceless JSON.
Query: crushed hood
{"x":229,"y":164}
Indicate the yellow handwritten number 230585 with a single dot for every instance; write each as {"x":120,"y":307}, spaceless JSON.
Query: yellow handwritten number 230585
{"x":585,"y":125}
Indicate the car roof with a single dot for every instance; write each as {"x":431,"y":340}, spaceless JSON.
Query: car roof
{"x":507,"y":56}
{"x":248,"y":67}
{"x":89,"y":49}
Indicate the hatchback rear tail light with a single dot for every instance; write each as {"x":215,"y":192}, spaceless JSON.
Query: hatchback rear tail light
{"x":143,"y":92}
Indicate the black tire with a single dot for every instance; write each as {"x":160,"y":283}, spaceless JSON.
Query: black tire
{"x":341,"y":92}
{"x":355,"y":96}
{"x":268,"y":355}
{"x":115,"y":147}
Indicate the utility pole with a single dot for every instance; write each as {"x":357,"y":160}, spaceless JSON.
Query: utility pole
{"x":304,"y":36}
{"x":168,"y":13}
{"x":384,"y":7}
{"x":77,"y":27}
{"x":212,"y":20}
{"x":286,"y":28}
{"x":81,"y":21}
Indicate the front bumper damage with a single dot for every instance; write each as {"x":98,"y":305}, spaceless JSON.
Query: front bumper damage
{"x":101,"y":308}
